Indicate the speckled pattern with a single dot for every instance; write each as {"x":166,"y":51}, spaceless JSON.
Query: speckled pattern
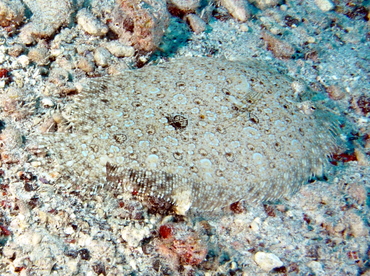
{"x":198,"y":131}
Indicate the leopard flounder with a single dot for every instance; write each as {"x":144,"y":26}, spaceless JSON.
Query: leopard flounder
{"x":199,"y":132}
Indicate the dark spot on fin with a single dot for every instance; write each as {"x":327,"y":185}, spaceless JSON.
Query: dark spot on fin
{"x":177,"y":121}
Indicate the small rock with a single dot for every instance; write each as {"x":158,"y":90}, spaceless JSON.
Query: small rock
{"x":183,"y":5}
{"x":85,"y":65}
{"x":140,"y":24}
{"x":69,"y":230}
{"x":306,"y":107}
{"x":16,"y":50}
{"x":264,"y":4}
{"x":58,"y":76}
{"x":324,"y":5}
{"x":237,"y":8}
{"x":316,"y":267}
{"x":244,"y":27}
{"x":196,"y":23}
{"x":23,"y":60}
{"x":275,"y":30}
{"x":357,"y":225}
{"x":119,"y":50}
{"x":335,"y":92}
{"x":117,"y":67}
{"x":280,"y":49}
{"x":83,"y":49}
{"x":358,"y":192}
{"x":311,"y":39}
{"x":36,"y":238}
{"x":284,"y":7}
{"x":361,"y":105}
{"x":40,"y":55}
{"x":11,"y":138}
{"x":361,"y":157}
{"x":298,"y":87}
{"x":101,"y":56}
{"x":267,"y":261}
{"x":90,"y":24}
{"x":47,"y":102}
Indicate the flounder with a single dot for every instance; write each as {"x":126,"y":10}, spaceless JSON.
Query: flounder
{"x":198,"y":132}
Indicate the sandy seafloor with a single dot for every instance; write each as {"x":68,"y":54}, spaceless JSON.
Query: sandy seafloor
{"x":46,"y":229}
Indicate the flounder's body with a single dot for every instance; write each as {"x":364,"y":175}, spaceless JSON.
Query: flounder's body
{"x":200,"y":132}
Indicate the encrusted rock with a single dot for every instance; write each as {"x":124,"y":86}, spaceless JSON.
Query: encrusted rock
{"x":40,"y":55}
{"x":16,"y":50}
{"x":15,"y":104}
{"x":180,"y":244}
{"x":186,"y":6}
{"x":90,"y":24}
{"x":11,"y":13}
{"x":196,"y":23}
{"x":140,"y":24}
{"x":119,"y":50}
{"x":10,"y":143}
{"x":47,"y":17}
{"x":279,"y":48}
{"x":85,"y":64}
{"x":11,"y":138}
{"x":335,"y":92}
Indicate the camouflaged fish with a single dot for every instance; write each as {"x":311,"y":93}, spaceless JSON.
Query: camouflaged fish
{"x":198,"y":132}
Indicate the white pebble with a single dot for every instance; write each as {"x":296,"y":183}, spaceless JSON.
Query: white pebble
{"x":267,"y":261}
{"x":324,"y":5}
{"x":298,"y":87}
{"x":275,"y":30}
{"x":23,"y":60}
{"x":46,"y":102}
{"x":3,"y":57}
{"x":244,"y":27}
{"x":316,"y":267}
{"x":311,"y":39}
{"x":69,"y":230}
{"x":119,"y":50}
{"x":90,"y":24}
{"x":237,"y":8}
{"x":101,"y":56}
{"x":36,"y":238}
{"x":264,"y":4}
{"x":284,"y":7}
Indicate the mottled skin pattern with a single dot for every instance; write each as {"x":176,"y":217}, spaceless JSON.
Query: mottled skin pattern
{"x":200,"y":132}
